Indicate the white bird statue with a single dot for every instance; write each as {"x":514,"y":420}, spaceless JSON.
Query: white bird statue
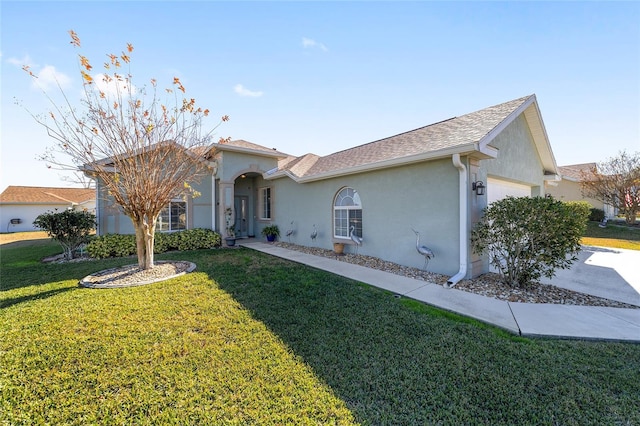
{"x":423,"y":250}
{"x":314,"y":234}
{"x":289,"y":232}
{"x":355,"y":238}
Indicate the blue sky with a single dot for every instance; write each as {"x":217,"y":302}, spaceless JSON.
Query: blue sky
{"x":325,"y":76}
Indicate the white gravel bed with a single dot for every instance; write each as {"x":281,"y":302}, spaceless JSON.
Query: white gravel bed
{"x":132,"y":275}
{"x":486,"y":285}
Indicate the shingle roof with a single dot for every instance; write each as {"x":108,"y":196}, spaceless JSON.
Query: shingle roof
{"x":46,"y":195}
{"x":576,"y":171}
{"x":455,"y":132}
{"x":245,"y":145}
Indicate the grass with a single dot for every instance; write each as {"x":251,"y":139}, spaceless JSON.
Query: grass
{"x":614,"y":236}
{"x":250,"y":339}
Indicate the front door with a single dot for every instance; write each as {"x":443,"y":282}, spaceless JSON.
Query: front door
{"x":241,"y":206}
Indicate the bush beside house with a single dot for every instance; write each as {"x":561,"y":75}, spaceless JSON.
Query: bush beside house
{"x":527,"y":238}
{"x":118,"y":245}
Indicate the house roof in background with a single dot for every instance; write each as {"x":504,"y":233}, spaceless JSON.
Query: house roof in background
{"x":469,"y":133}
{"x":46,"y":195}
{"x":575,"y":172}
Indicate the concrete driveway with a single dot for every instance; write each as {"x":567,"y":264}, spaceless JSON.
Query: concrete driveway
{"x":604,"y":272}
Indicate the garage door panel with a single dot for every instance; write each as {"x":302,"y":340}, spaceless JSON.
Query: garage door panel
{"x":498,"y":189}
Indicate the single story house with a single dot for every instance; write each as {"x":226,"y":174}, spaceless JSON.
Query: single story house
{"x":436,"y":179}
{"x":569,"y":188}
{"x":20,"y":205}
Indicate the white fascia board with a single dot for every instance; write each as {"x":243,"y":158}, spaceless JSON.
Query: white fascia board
{"x":553,"y":178}
{"x":279,"y":174}
{"x":231,"y":148}
{"x":89,"y":169}
{"x":542,"y":140}
{"x":570,"y":179}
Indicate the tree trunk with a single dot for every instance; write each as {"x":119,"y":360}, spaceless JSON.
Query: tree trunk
{"x":149,"y":243}
{"x":144,"y":243}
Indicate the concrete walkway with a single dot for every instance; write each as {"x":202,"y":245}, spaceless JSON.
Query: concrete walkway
{"x":526,"y":319}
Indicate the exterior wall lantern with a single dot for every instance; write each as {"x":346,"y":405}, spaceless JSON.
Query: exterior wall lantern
{"x":478,"y":187}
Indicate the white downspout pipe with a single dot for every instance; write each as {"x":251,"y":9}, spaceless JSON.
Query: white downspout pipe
{"x":214,"y":206}
{"x":462,"y":174}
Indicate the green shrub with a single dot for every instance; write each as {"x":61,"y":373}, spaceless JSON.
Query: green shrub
{"x":70,"y":228}
{"x":115,"y":245}
{"x":596,"y":215}
{"x":527,"y":238}
{"x":581,"y":208}
{"x":112,"y":245}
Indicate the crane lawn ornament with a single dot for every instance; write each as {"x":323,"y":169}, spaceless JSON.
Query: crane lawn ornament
{"x":355,"y":238}
{"x":423,"y":250}
{"x":290,"y":232}
{"x":314,"y":234}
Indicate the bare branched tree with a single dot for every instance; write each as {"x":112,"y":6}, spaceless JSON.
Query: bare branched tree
{"x":143,"y":150}
{"x":616,"y":182}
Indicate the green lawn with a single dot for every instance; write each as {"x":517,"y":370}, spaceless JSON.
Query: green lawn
{"x":615,"y":235}
{"x":250,"y":339}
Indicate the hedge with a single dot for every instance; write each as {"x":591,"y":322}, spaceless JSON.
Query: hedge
{"x":117,"y":245}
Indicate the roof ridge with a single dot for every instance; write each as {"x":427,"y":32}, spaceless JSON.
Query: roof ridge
{"x":444,"y":136}
{"x":57,"y":196}
{"x":392,"y":136}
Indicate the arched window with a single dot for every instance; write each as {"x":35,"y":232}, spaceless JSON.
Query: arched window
{"x":347,"y":212}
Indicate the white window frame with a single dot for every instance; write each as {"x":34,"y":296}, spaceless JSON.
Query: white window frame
{"x":347,"y":211}
{"x":159,"y":221}
{"x":265,"y":203}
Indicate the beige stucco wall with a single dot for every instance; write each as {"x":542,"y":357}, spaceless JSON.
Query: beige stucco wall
{"x":568,"y":190}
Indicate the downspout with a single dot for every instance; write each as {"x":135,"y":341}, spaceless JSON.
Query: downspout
{"x":462,"y":174}
{"x":98,"y":209}
{"x":213,"y":202}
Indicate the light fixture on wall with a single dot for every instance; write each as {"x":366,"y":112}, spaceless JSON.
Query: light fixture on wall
{"x":478,"y":187}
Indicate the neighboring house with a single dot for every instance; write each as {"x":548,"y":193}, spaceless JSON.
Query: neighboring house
{"x":423,"y":179}
{"x":20,"y":205}
{"x":569,"y":188}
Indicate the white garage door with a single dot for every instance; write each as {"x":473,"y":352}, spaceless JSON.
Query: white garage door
{"x":498,"y":189}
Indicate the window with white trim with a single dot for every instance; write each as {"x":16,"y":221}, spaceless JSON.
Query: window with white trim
{"x":173,"y":217}
{"x":347,"y":212}
{"x":264,"y":200}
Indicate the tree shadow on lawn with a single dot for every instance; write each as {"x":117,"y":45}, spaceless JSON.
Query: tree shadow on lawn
{"x":29,"y":272}
{"x":6,"y":303}
{"x":393,"y":365}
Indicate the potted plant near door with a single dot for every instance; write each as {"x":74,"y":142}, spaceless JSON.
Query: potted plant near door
{"x":271,"y":232}
{"x":230,"y":239}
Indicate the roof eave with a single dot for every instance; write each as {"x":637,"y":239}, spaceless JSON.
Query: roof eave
{"x":467,"y":149}
{"x":570,"y":179}
{"x":38,"y":203}
{"x":231,"y":148}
